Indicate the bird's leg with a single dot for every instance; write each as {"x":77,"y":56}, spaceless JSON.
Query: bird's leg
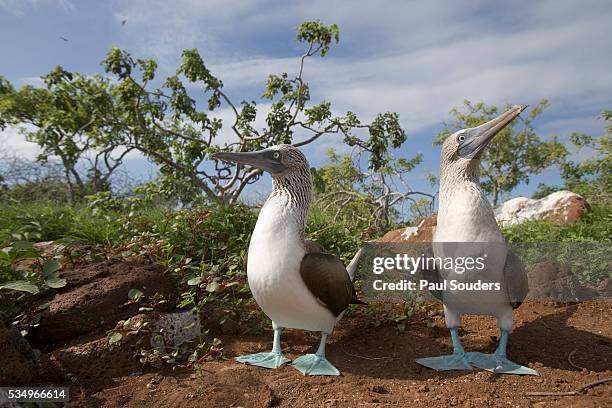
{"x":457,"y":346}
{"x":316,"y":364}
{"x":456,"y":361}
{"x":503,"y":344}
{"x":498,"y":362}
{"x":273,"y":359}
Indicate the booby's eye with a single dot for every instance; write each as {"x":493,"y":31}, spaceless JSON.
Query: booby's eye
{"x":461,"y":138}
{"x":276,"y":155}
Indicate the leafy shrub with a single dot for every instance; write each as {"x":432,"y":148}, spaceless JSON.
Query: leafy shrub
{"x":49,"y":221}
{"x":595,"y":227}
{"x":589,"y":262}
{"x":23,"y":273}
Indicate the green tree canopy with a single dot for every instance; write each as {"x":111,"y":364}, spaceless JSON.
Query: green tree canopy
{"x":591,"y":176}
{"x":131,"y":109}
{"x":373,"y":191}
{"x":71,"y":119}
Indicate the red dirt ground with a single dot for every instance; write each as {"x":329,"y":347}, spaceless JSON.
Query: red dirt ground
{"x":377,"y":366}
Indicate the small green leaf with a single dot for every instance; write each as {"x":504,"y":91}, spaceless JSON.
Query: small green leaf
{"x":194,"y":281}
{"x":21,"y":286}
{"x":21,"y":246}
{"x":56,"y":283}
{"x":50,"y":266}
{"x":212,"y":287}
{"x":135,"y":294}
{"x":115,"y":338}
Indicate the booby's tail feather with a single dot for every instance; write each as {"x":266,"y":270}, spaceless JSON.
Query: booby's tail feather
{"x":352,"y":266}
{"x":352,"y":270}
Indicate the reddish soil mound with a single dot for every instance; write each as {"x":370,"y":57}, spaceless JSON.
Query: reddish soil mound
{"x":95,"y":299}
{"x":561,"y":207}
{"x":568,"y":345}
{"x":573,"y":209}
{"x":421,"y":233}
{"x":92,"y":362}
{"x":553,"y":282}
{"x":17,"y":360}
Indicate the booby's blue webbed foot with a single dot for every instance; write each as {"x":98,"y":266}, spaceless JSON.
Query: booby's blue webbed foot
{"x":267,"y":360}
{"x":456,"y":361}
{"x":498,"y":362}
{"x":446,"y":363}
{"x":272,"y":359}
{"x":315,"y":364}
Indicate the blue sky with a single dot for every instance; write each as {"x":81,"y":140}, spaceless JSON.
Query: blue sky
{"x":419,"y":59}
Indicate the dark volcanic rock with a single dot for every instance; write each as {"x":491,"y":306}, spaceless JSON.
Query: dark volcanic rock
{"x":552,"y":281}
{"x":95,"y":299}
{"x":18,"y":365}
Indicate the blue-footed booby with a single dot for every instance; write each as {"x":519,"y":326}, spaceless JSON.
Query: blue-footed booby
{"x":466,"y":225}
{"x":295,"y":281}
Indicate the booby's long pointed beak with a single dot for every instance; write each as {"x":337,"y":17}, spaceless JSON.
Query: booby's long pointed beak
{"x":262,"y":159}
{"x":476,"y":139}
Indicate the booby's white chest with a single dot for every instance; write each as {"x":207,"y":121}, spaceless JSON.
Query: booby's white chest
{"x":275,"y":255}
{"x":465,"y":216}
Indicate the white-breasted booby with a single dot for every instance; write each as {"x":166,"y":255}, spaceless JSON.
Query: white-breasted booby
{"x":295,"y":281}
{"x":466,"y":226}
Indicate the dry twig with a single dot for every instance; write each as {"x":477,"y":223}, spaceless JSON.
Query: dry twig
{"x":577,"y":391}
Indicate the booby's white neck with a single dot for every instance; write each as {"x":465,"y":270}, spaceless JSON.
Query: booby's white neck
{"x":284,"y":214}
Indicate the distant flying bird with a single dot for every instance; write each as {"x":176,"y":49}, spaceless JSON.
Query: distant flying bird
{"x":465,"y":216}
{"x":123,"y":22}
{"x":63,"y":38}
{"x":295,"y":281}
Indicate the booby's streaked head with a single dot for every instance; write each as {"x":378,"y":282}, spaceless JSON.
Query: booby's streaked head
{"x":277,"y":160}
{"x":462,"y":150}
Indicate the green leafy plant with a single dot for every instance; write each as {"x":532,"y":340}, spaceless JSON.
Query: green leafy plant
{"x":376,"y":195}
{"x":78,"y":116}
{"x":24,"y":273}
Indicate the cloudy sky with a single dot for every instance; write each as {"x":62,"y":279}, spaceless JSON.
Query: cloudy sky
{"x":417,"y":58}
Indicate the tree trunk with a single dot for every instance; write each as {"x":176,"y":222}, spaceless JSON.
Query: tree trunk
{"x":495,"y":194}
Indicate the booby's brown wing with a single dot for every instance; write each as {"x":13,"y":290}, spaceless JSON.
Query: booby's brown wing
{"x":433,"y":276}
{"x":430,"y":273}
{"x":327,"y":279}
{"x":515,"y":279}
{"x":313,"y":247}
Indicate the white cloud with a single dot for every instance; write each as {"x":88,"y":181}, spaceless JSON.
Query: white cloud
{"x":416,"y":58}
{"x":252,"y":72}
{"x":419,"y":59}
{"x":564,"y":127}
{"x":34,"y":81}
{"x":19,"y":7}
{"x":162,"y":29}
{"x":12,"y":142}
